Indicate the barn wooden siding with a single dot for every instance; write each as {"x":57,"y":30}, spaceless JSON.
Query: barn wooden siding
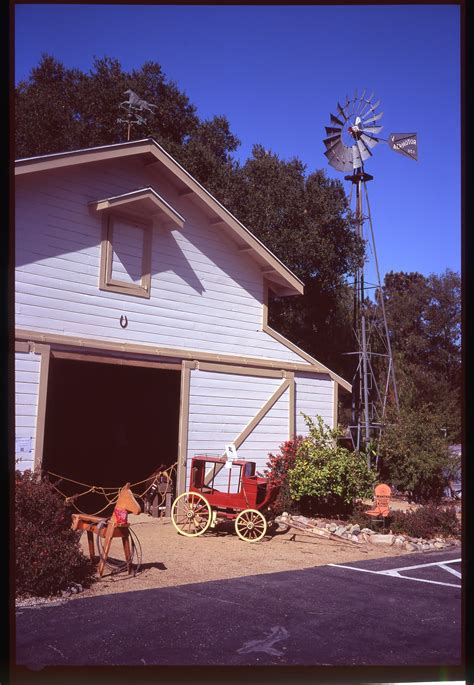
{"x":222,"y":405}
{"x":27,"y":385}
{"x":205,"y":295}
{"x":314,"y":395}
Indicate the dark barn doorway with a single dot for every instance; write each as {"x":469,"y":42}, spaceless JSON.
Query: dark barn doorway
{"x":108,"y":424}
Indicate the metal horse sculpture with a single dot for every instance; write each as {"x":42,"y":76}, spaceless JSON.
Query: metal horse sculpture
{"x":116,"y":526}
{"x":136,"y":102}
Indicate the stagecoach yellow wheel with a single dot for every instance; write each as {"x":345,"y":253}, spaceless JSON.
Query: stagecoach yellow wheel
{"x":191,"y":514}
{"x":250,"y":525}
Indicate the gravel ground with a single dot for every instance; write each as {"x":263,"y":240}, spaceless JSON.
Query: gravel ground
{"x":170,"y":559}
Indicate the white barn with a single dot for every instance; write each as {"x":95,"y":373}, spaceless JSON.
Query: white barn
{"x":141,"y":334}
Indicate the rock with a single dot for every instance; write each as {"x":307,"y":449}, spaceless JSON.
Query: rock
{"x":380,"y":539}
{"x":282,"y":527}
{"x":302,"y":519}
{"x":410,"y":546}
{"x":368,"y":531}
{"x":398,"y":542}
{"x":285,"y":515}
{"x":340,"y":530}
{"x":354,"y":538}
{"x":426,"y":546}
{"x":355,"y":529}
{"x":332,"y":527}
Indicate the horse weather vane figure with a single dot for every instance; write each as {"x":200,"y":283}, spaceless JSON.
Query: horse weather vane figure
{"x":351,"y":137}
{"x":135,"y":108}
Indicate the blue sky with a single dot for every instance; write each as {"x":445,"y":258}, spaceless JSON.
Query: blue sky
{"x":277,"y":72}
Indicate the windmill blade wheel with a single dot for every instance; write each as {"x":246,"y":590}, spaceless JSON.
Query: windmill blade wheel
{"x":350,"y":134}
{"x":250,"y":525}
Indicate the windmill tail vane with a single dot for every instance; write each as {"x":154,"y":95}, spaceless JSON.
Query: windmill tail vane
{"x":405,"y":143}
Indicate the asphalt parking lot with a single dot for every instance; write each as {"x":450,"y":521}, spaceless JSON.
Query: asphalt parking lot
{"x":399,"y":611}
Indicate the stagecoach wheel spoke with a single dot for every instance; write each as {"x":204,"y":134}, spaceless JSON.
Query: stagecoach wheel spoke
{"x":250,"y":525}
{"x":191,"y":514}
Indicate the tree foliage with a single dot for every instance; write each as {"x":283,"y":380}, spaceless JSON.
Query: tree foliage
{"x":424,"y":320}
{"x":414,"y":453}
{"x":305,"y":220}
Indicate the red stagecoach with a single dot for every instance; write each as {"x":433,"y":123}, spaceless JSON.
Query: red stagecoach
{"x":223,"y":489}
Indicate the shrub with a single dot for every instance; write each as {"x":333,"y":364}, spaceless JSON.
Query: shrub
{"x":414,"y":455}
{"x":326,"y":477}
{"x":48,"y":557}
{"x":359,"y":516}
{"x":426,"y":522}
{"x":279,"y":466}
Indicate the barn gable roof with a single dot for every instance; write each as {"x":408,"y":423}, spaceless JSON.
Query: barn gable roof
{"x":281,"y":279}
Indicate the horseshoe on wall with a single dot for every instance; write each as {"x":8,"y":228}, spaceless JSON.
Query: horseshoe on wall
{"x":123,"y":321}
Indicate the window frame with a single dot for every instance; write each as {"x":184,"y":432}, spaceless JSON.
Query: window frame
{"x":106,"y":282}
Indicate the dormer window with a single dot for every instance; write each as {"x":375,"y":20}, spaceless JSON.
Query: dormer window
{"x":127,"y":230}
{"x":126,"y":255}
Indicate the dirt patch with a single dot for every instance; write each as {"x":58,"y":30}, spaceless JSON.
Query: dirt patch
{"x":170,"y":559}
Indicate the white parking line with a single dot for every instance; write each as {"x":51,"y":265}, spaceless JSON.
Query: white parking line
{"x":451,"y":570}
{"x":395,"y":572}
{"x":431,"y":563}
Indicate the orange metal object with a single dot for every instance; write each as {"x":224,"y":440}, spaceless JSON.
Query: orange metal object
{"x":382,"y":494}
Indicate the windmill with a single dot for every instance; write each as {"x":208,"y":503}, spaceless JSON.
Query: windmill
{"x":351,"y":137}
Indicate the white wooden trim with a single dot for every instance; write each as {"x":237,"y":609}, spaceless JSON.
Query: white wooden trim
{"x":135,"y":348}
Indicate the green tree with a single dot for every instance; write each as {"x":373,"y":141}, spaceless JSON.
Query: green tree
{"x":424,"y":320}
{"x":305,"y":220}
{"x":414,"y":453}
{"x":48,"y":109}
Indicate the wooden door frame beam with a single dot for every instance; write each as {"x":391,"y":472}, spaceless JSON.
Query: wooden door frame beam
{"x":107,"y":359}
{"x":183,"y":432}
{"x":45,"y":352}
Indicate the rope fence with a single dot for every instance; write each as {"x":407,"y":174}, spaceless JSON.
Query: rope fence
{"x":111,"y":493}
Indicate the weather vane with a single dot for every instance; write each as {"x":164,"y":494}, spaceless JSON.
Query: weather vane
{"x":134,"y":108}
